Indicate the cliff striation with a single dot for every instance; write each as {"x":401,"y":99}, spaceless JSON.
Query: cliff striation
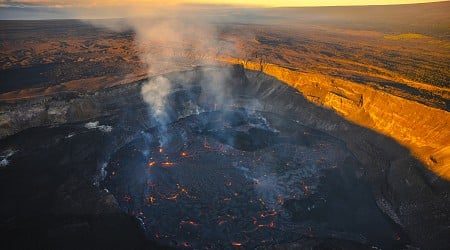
{"x":422,"y":129}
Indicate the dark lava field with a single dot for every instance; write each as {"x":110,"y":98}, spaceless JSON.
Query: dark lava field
{"x":241,"y":167}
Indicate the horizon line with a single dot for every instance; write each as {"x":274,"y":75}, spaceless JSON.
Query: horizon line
{"x":216,"y":5}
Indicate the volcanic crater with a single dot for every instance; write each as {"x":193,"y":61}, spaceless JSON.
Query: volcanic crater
{"x":241,"y":161}
{"x":243,"y":172}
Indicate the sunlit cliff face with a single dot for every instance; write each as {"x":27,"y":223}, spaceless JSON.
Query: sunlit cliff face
{"x":422,"y":129}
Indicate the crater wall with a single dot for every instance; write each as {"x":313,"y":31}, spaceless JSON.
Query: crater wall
{"x":422,"y":129}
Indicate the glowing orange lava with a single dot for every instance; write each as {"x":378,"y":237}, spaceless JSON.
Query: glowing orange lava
{"x":236,"y":244}
{"x":273,"y":213}
{"x":192,"y":223}
{"x":173,"y":197}
{"x":220,"y":223}
{"x":167,"y":164}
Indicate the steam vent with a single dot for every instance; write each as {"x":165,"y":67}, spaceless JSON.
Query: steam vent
{"x":246,"y":161}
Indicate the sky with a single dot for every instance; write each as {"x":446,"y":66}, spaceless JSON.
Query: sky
{"x":100,"y":9}
{"x":265,"y":3}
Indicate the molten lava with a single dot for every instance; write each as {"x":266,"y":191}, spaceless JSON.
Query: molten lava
{"x":191,"y":223}
{"x":167,"y":164}
{"x":173,"y":197}
{"x":236,"y":244}
{"x":151,"y":199}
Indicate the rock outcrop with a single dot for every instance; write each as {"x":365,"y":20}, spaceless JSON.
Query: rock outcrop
{"x":60,"y":108}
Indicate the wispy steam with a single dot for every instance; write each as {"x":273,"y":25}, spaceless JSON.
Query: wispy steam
{"x":173,"y":39}
{"x":155,"y":92}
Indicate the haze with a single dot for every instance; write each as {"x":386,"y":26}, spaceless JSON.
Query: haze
{"x":269,"y":3}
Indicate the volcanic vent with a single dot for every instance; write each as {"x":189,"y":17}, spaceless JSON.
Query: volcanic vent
{"x":233,"y":164}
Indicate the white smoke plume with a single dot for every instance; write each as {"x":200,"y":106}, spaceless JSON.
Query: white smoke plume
{"x":174,"y":39}
{"x":154,"y":92}
{"x":169,"y":44}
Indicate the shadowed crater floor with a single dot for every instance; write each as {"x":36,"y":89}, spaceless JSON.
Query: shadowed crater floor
{"x":229,"y":178}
